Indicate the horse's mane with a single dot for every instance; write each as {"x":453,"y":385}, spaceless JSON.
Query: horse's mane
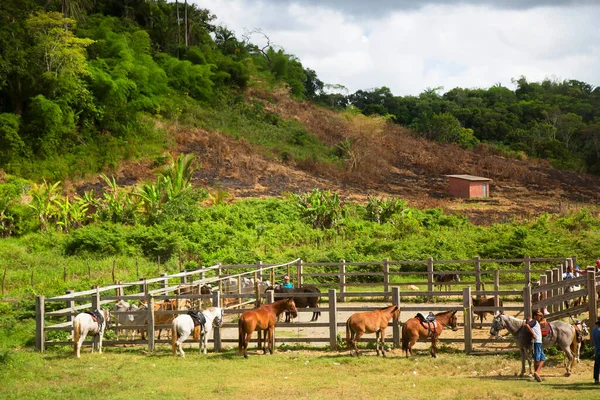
{"x":445,"y":312}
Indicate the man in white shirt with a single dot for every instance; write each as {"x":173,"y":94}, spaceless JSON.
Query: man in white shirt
{"x":538,"y":350}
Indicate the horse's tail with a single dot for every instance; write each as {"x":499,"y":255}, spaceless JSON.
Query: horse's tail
{"x":240,"y":335}
{"x":405,"y":339}
{"x":174,"y":337}
{"x":76,"y":334}
{"x":348,"y":333}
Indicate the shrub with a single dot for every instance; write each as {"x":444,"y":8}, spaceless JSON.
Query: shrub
{"x":101,"y":240}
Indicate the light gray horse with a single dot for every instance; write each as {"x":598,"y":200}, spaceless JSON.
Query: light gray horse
{"x":84,"y":323}
{"x":128,"y":315}
{"x":183,"y":327}
{"x":561,"y":334}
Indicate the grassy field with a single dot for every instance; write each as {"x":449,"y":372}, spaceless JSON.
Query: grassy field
{"x":290,"y":374}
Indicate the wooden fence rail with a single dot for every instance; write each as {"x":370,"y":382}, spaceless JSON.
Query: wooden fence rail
{"x":552,"y":286}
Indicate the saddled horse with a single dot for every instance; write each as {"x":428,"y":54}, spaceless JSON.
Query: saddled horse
{"x":415,"y":328}
{"x":184,"y":326}
{"x":561,"y":334}
{"x":301,"y":302}
{"x":445,"y":279}
{"x":93,"y":323}
{"x":368,"y":322}
{"x":262,"y":318}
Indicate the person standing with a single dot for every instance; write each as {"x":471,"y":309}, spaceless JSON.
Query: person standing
{"x":539,"y":357}
{"x":596,"y":340}
{"x":286,"y":283}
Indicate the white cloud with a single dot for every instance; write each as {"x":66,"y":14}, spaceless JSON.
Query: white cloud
{"x":408,"y":50}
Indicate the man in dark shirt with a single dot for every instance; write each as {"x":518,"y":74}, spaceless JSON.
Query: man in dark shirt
{"x":596,"y":340}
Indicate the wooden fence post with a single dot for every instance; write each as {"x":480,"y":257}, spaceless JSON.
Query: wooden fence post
{"x":40,"y":310}
{"x":496,"y":288}
{"x":549,"y":279}
{"x":468,"y":319}
{"x":555,"y":292}
{"x":592,"y":297}
{"x":216,"y":301}
{"x":527,"y":270}
{"x":386,"y":278}
{"x":96,"y":298}
{"x":183,"y":277}
{"x":396,"y":324}
{"x":260,"y":270}
{"x":573,"y":261}
{"x":477,"y":273}
{"x":150,"y":301}
{"x":342,"y":280}
{"x":332,"y":319}
{"x":70,"y":304}
{"x":165,"y":283}
{"x":527,"y":302}
{"x":430,"y":277}
{"x":300,"y":274}
{"x":219,"y":276}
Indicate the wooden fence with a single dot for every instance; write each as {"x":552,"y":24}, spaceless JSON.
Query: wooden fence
{"x":95,"y":298}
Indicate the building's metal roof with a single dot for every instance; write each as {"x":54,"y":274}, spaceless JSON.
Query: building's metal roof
{"x":469,"y":177}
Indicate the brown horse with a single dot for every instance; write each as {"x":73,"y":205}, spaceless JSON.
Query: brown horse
{"x":414,"y":329}
{"x":368,"y":322}
{"x":262,"y":318}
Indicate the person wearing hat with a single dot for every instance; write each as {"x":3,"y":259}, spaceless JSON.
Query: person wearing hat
{"x":286,"y":283}
{"x":596,"y":340}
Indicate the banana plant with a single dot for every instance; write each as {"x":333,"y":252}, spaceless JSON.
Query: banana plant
{"x":43,"y":198}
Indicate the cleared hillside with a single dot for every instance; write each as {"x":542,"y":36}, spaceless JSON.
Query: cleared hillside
{"x":390,"y":162}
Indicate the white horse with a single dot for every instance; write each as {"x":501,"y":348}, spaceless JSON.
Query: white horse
{"x":183,"y":327}
{"x":85,"y":323}
{"x":135,"y":316}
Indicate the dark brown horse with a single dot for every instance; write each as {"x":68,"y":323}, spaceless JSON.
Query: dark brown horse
{"x":414,"y":329}
{"x":368,"y":322}
{"x":301,"y":302}
{"x":262,"y":318}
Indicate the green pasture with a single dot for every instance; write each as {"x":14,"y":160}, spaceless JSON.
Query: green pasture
{"x":298,"y":374}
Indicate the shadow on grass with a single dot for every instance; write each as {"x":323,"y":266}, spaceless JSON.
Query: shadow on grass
{"x":576,"y":386}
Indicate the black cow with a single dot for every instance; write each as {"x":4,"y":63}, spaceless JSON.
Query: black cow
{"x":301,"y":302}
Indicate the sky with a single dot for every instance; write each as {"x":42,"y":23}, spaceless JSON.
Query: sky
{"x":412,"y":45}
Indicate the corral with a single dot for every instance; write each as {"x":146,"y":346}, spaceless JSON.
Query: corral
{"x":389,"y":277}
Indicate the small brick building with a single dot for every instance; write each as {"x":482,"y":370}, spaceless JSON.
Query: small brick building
{"x":468,"y":186}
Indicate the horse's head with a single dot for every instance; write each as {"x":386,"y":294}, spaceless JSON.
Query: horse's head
{"x":497,"y":324}
{"x":396,"y":313}
{"x":457,"y":277}
{"x":585,"y":331}
{"x":218,"y":319}
{"x":291,"y":307}
{"x":453,"y":321}
{"x":205,"y":289}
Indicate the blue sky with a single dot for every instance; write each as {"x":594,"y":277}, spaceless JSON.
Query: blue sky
{"x":410,"y":45}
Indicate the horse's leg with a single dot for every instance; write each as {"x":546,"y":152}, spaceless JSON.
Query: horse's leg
{"x":433,"y":343}
{"x":357,"y":337}
{"x":382,"y":335}
{"x":569,"y":360}
{"x":100,"y":337}
{"x":247,"y":338}
{"x":205,"y":341}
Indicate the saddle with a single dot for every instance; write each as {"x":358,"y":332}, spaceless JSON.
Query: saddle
{"x":98,"y":318}
{"x":198,"y":318}
{"x":428,"y":323}
{"x":546,"y":329}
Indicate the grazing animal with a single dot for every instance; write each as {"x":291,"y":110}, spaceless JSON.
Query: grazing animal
{"x":183,"y":327}
{"x":581,"y":331}
{"x":94,"y":323}
{"x":413,"y":287}
{"x":561,"y":333}
{"x":134,"y":316}
{"x":443,"y":279}
{"x":414,"y":328}
{"x":482,"y":301}
{"x":368,"y":322}
{"x":301,"y":302}
{"x":262,"y":318}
